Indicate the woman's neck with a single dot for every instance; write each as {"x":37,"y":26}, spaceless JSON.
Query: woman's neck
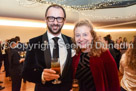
{"x":85,"y":50}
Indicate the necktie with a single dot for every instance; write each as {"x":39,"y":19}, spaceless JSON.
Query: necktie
{"x":56,"y":47}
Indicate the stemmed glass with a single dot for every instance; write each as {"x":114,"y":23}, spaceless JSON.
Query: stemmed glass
{"x":55,"y":65}
{"x":75,"y":85}
{"x":22,"y":54}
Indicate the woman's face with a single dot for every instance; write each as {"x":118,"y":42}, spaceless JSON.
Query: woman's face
{"x":83,"y":37}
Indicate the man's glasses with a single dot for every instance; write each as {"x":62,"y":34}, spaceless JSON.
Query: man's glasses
{"x":52,"y":19}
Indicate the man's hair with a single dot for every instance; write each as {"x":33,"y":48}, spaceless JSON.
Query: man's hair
{"x":17,"y":38}
{"x":108,"y":36}
{"x":55,"y":6}
{"x":120,"y":37}
{"x":13,"y":40}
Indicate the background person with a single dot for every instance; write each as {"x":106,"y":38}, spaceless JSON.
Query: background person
{"x":16,"y":66}
{"x":128,"y":68}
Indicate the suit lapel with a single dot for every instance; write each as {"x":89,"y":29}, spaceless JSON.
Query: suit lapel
{"x":67,"y":63}
{"x":47,"y":54}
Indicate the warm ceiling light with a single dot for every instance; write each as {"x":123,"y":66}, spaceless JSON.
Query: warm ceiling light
{"x":6,"y":22}
{"x":40,"y":24}
{"x":21,"y":23}
{"x":68,"y":26}
{"x":114,"y":30}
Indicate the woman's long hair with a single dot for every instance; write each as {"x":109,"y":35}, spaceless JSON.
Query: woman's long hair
{"x":131,"y":55}
{"x":94,"y":51}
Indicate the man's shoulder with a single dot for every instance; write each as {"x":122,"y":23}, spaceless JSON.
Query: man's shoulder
{"x":65,"y":37}
{"x":13,"y":51}
{"x":36,"y":39}
{"x":68,"y":37}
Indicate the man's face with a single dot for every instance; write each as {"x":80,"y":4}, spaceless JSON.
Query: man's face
{"x":55,"y":25}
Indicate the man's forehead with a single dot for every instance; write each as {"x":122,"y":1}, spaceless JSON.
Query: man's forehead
{"x":55,"y":10}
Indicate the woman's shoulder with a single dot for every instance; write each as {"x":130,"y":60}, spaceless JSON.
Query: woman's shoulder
{"x":107,"y":57}
{"x":123,"y":60}
{"x":123,"y":56}
{"x":77,"y":55}
{"x":105,"y":53}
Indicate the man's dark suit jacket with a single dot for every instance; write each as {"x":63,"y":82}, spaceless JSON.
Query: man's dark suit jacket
{"x":14,"y":64}
{"x":38,"y":59}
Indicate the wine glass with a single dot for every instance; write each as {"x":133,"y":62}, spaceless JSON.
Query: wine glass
{"x":22,"y":54}
{"x":75,"y":85}
{"x":55,"y":65}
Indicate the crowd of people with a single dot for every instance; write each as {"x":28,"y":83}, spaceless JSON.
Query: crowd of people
{"x":95,"y":67}
{"x":117,"y":48}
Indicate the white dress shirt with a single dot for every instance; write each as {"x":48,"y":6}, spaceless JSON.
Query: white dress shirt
{"x":62,"y":49}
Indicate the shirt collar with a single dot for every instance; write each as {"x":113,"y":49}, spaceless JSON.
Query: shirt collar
{"x":50,"y":36}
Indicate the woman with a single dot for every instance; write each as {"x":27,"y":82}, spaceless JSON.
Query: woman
{"x":128,"y":69}
{"x":94,"y":67}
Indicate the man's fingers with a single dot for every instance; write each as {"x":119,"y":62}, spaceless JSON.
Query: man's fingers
{"x":49,"y":71}
{"x":49,"y":74}
{"x":48,"y":78}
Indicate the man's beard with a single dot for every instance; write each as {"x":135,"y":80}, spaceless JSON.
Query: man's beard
{"x":58,"y":31}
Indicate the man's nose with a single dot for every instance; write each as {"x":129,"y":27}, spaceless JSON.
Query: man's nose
{"x":55,"y":21}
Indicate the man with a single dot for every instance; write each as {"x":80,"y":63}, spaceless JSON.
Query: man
{"x":0,"y":56}
{"x":16,"y":65}
{"x":37,"y":67}
{"x":5,"y":55}
{"x":21,"y":46}
{"x":112,"y":51}
{"x":1,"y":65}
